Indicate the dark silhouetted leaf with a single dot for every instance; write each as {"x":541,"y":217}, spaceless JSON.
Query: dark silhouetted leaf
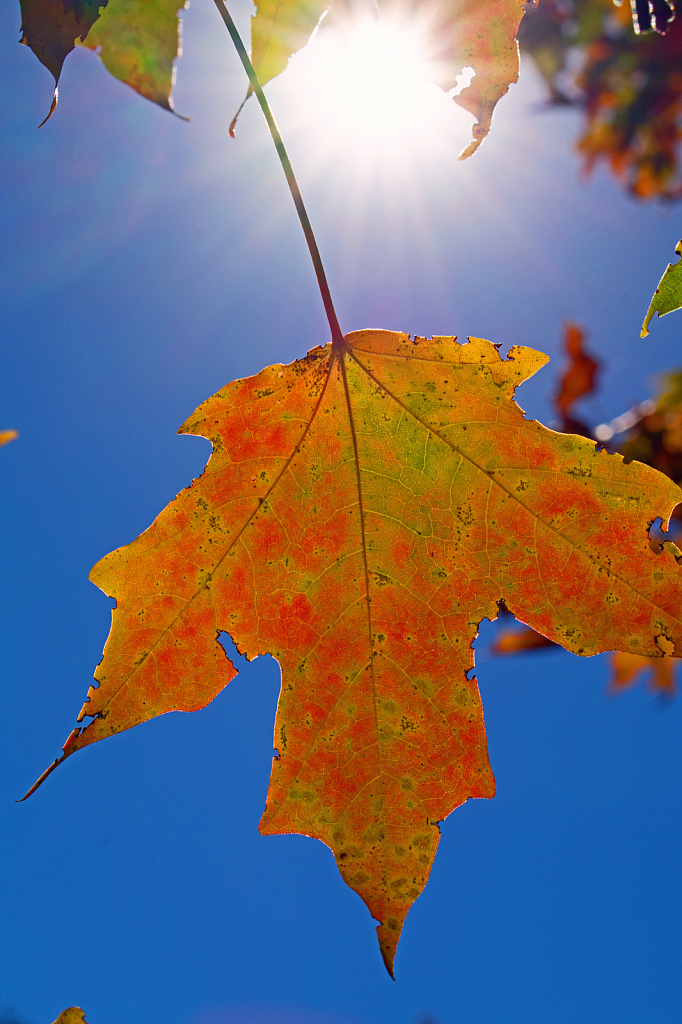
{"x":651,"y":15}
{"x":52,"y":27}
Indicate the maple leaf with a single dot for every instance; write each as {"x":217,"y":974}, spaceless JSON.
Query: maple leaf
{"x":668,"y":295}
{"x":74,"y":1015}
{"x":626,"y":669}
{"x":137,"y":40}
{"x":481,"y":36}
{"x":654,"y":437}
{"x":363,"y":510}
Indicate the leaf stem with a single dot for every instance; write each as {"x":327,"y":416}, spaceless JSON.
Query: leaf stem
{"x":337,"y":335}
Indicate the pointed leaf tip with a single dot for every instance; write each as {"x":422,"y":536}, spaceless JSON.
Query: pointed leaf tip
{"x":388,"y":945}
{"x":68,"y":748}
{"x":233,"y":122}
{"x":481,"y":36}
{"x":53,"y":107}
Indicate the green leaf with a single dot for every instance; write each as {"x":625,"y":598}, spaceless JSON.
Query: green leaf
{"x":278,"y":30}
{"x":139,"y":41}
{"x":668,"y":296}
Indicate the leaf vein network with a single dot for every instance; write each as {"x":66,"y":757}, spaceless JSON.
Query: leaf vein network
{"x":549,"y":526}
{"x":233,"y":542}
{"x":369,"y":606}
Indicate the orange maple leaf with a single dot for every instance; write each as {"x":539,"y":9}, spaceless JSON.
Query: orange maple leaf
{"x":363,"y":510}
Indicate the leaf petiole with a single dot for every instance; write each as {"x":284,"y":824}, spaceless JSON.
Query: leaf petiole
{"x":337,"y":335}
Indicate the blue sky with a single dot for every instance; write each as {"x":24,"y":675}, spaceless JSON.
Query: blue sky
{"x":145,"y":263}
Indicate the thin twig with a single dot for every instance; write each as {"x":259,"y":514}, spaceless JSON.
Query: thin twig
{"x":337,"y":336}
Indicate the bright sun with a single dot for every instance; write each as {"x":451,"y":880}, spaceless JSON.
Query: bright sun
{"x":365,"y":87}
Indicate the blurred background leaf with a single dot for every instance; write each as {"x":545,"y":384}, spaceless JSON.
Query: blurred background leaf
{"x":628,"y":86}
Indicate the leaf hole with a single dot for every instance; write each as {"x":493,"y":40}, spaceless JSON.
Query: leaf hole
{"x":658,"y":536}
